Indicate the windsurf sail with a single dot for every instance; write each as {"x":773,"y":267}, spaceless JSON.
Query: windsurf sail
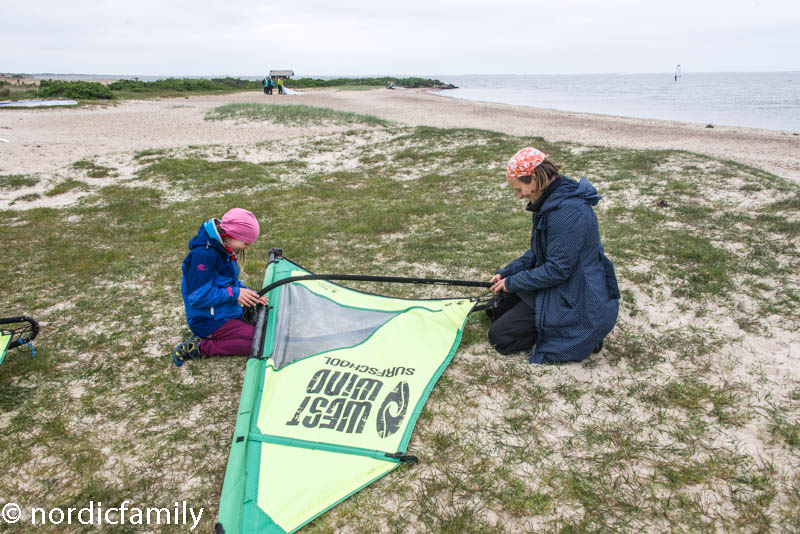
{"x":16,"y":331}
{"x":5,"y":339}
{"x":37,"y":103}
{"x":678,"y":72}
{"x":330,"y":397}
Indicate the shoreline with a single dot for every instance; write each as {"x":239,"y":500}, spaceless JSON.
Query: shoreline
{"x":47,"y":140}
{"x":632,"y":117}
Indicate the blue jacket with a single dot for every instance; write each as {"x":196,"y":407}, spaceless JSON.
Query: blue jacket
{"x":210,"y":282}
{"x":565,"y":276}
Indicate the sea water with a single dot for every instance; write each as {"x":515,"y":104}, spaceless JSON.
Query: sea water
{"x":754,"y":99}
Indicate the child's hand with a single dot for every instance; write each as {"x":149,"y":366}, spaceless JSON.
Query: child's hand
{"x":248,"y":297}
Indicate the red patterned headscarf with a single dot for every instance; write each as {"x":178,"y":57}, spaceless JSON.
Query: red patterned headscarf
{"x":524,"y":162}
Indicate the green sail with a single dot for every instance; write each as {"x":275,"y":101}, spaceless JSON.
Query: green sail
{"x":5,"y":339}
{"x":340,"y":384}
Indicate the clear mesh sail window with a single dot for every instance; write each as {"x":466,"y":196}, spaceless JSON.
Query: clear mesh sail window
{"x":308,"y":324}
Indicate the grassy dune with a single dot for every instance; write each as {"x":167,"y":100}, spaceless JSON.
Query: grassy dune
{"x":678,"y":425}
{"x":293,"y":114}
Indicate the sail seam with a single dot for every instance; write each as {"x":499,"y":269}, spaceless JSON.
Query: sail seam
{"x":321,"y":446}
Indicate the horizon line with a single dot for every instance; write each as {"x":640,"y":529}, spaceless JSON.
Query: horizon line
{"x":618,"y":73}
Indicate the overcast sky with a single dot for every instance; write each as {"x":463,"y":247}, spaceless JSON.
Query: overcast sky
{"x":417,"y":37}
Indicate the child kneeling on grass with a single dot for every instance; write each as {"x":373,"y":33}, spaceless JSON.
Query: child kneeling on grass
{"x":212,"y":293}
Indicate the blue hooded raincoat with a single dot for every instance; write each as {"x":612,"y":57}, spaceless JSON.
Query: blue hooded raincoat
{"x":565,"y":276}
{"x":210,"y":283}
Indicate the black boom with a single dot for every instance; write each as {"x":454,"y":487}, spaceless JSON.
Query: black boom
{"x":23,"y":329}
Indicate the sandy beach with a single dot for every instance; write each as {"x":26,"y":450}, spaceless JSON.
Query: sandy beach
{"x":686,"y":420}
{"x":44,"y":141}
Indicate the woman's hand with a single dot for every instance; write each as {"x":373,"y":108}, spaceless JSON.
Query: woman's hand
{"x":248,"y":297}
{"x":498,"y":284}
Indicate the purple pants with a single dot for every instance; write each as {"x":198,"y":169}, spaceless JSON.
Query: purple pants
{"x":233,"y":338}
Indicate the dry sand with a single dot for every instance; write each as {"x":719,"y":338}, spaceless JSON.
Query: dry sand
{"x":42,"y":141}
{"x":45,"y":142}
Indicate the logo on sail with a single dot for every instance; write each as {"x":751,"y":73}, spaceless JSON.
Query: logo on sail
{"x":393,"y":410}
{"x":342,"y":401}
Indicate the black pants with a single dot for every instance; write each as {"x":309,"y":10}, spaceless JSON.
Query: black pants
{"x":514,"y":328}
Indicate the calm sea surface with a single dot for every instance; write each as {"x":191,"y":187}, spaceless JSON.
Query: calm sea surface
{"x":755,"y":99}
{"x":759,"y":100}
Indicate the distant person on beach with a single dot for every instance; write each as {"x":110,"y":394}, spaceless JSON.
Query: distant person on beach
{"x":212,"y":293}
{"x":560,"y":299}
{"x":280,"y":85}
{"x":266,"y":85}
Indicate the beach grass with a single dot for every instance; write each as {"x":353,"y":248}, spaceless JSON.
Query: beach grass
{"x":19,"y":87}
{"x":291,"y":114}
{"x":93,"y":169}
{"x":17,"y":181}
{"x":65,"y":186}
{"x":676,"y":426}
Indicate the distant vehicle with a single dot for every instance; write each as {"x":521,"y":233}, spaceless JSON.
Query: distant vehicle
{"x":678,"y":72}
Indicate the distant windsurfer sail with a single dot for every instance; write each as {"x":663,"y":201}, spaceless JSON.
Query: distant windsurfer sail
{"x":677,"y":72}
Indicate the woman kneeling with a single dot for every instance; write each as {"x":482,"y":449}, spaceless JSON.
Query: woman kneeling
{"x":560,"y":299}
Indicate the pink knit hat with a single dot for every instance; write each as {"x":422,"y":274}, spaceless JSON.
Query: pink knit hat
{"x":524,"y":162}
{"x":240,"y":224}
